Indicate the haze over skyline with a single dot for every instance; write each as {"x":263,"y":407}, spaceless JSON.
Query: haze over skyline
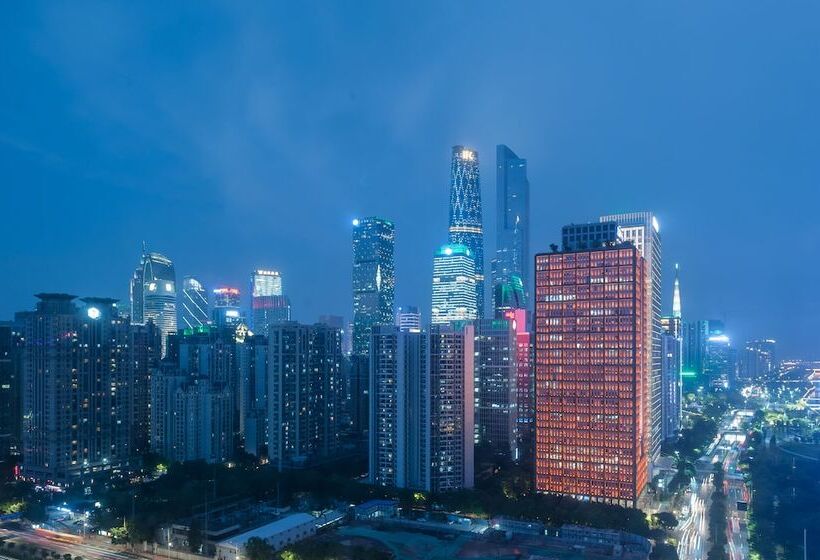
{"x":231,"y":140}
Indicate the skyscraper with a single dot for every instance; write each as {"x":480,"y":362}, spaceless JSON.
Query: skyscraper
{"x":77,"y":368}
{"x":252,"y":358}
{"x":227,"y":308}
{"x":304,"y":393}
{"x":153,"y":294}
{"x":408,"y":318}
{"x":268,"y":304}
{"x":194,"y":304}
{"x":643,"y":231}
{"x":512,"y":221}
{"x":373,"y":278}
{"x":590,"y":380}
{"x":496,"y":386}
{"x":670,"y":384}
{"x":452,"y":407}
{"x":695,"y":336}
{"x":399,"y":438}
{"x":454,"y":281}
{"x":373,"y":303}
{"x":465,"y":213}
{"x":758,"y":359}
{"x":10,"y":389}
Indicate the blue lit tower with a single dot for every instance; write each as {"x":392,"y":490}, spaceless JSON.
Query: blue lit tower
{"x":373,"y":278}
{"x":512,"y":222}
{"x":454,"y":280}
{"x":373,"y":300}
{"x":465,"y":212}
{"x":194,"y":304}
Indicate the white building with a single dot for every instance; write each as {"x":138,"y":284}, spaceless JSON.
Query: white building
{"x":278,"y":534}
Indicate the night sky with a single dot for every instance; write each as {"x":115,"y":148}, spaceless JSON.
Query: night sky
{"x":230,"y":139}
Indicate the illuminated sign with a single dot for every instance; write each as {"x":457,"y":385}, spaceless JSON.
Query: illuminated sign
{"x":93,"y":313}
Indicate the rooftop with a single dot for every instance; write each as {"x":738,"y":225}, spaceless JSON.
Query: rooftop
{"x":278,"y":526}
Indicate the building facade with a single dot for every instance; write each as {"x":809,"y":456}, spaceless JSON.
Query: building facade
{"x":466,"y":226}
{"x":193,"y":305}
{"x":591,"y":386}
{"x":77,"y":389}
{"x":452,"y":407}
{"x":643,"y":231}
{"x":227,"y":307}
{"x":268,"y":303}
{"x":11,"y":341}
{"x":512,"y":222}
{"x":374,"y":285}
{"x":454,"y":285}
{"x":154,"y":294}
{"x":758,"y":359}
{"x":496,"y":387}
{"x":408,"y":318}
{"x":191,"y":418}
{"x":304,"y":393}
{"x":671,"y":367}
{"x":399,"y":438}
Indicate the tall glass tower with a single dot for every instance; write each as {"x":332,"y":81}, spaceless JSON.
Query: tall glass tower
{"x":512,"y":221}
{"x":157,"y":299}
{"x":194,"y":304}
{"x":373,"y":278}
{"x":268,"y":305}
{"x":465,"y":212}
{"x":454,"y":281}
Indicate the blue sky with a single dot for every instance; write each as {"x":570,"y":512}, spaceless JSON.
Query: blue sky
{"x":229,"y":136}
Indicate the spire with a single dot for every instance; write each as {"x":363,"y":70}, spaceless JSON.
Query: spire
{"x":676,"y":296}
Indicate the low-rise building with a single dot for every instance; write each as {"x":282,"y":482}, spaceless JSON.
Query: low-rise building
{"x":278,"y":534}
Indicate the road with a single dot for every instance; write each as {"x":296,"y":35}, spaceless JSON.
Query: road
{"x":87,"y":549}
{"x":693,"y":532}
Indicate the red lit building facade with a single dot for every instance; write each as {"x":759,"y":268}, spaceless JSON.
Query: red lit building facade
{"x":590,"y":383}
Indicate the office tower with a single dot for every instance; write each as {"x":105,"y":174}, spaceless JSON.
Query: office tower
{"x":190,"y":417}
{"x":496,"y":387}
{"x":695,"y":334}
{"x":452,"y":407}
{"x":373,"y":303}
{"x":399,"y":438}
{"x":676,"y":306}
{"x":719,"y":360}
{"x":591,"y":387}
{"x":643,"y":231}
{"x":227,"y":307}
{"x":508,"y":294}
{"x":304,"y":363}
{"x":146,"y":347}
{"x":758,"y":359}
{"x":465,"y":213}
{"x":409,"y":318}
{"x":671,"y":381}
{"x":10,"y":389}
{"x":153,"y":294}
{"x":671,"y":385}
{"x":77,"y":370}
{"x":579,"y":237}
{"x":373,"y":278}
{"x":512,"y":222}
{"x":193,"y":305}
{"x":454,"y":285}
{"x":268,"y":303}
{"x":525,"y":384}
{"x":252,"y":358}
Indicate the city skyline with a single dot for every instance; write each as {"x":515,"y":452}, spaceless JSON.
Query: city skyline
{"x":126,"y":146}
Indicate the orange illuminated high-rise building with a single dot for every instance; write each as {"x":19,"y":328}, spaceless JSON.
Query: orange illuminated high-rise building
{"x":591,"y":387}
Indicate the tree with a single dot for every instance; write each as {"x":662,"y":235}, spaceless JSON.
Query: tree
{"x":258,"y":549}
{"x":666,"y":519}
